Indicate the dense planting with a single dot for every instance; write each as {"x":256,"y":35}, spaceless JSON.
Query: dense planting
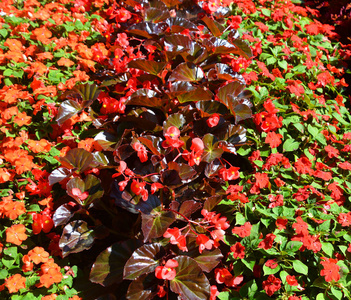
{"x":150,"y":150}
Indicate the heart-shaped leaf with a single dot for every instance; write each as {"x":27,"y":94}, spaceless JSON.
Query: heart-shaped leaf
{"x":143,"y":261}
{"x":186,"y":72}
{"x":149,"y":66}
{"x":216,"y":28}
{"x":143,"y":288}
{"x":178,"y":43}
{"x":177,"y":120}
{"x":211,"y":152}
{"x":190,"y":282}
{"x":58,"y":175}
{"x":76,"y":237}
{"x":185,"y":172}
{"x":63,"y":214}
{"x":109,"y":265}
{"x":177,"y":24}
{"x":152,"y":142}
{"x":156,"y":15}
{"x":209,"y":259}
{"x":77,"y":158}
{"x":106,"y":140}
{"x":67,"y":109}
{"x":94,"y":188}
{"x":156,"y":223}
{"x":208,"y":108}
{"x":188,"y":207}
{"x":144,"y":97}
{"x":76,"y":183}
{"x":199,"y":94}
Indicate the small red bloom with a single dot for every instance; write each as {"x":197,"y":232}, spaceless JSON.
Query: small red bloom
{"x":167,"y":272}
{"x":267,"y":243}
{"x":271,"y":285}
{"x":204,"y":242}
{"x":176,"y":238}
{"x":291,"y":280}
{"x":141,"y":151}
{"x":213,"y":120}
{"x":138,"y":188}
{"x":331,"y":269}
{"x":238,"y":250}
{"x":229,"y":174}
{"x":243,"y":231}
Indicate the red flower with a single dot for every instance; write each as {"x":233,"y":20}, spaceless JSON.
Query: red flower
{"x":267,"y":243}
{"x":281,"y":223}
{"x":238,"y":250}
{"x":76,"y":192}
{"x":197,"y":145}
{"x":213,"y":120}
{"x":273,"y":139}
{"x":229,"y":174}
{"x":42,"y":222}
{"x":331,"y":269}
{"x":172,"y":138}
{"x":243,"y":231}
{"x":271,"y":285}
{"x":167,"y":271}
{"x":271,"y":263}
{"x":176,"y":238}
{"x":291,"y":280}
{"x":204,"y":242}
{"x":138,"y":188}
{"x":141,"y":151}
{"x":300,"y":226}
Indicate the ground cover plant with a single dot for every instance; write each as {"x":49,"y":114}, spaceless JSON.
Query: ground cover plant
{"x":173,"y":149}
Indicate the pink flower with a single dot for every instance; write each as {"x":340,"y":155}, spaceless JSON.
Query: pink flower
{"x":167,"y":271}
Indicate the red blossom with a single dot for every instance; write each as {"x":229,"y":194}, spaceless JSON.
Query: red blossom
{"x":243,"y":231}
{"x":213,"y":120}
{"x":331,"y":269}
{"x":176,"y":238}
{"x":167,"y":272}
{"x":271,"y":285}
{"x":267,"y":242}
{"x":204,"y":242}
{"x":238,"y":250}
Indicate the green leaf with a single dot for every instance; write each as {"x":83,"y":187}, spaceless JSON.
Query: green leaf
{"x":300,"y":267}
{"x":76,"y":237}
{"x":209,"y":259}
{"x":249,"y":290}
{"x":190,"y":282}
{"x":211,"y":152}
{"x":269,"y":271}
{"x":321,"y":296}
{"x":156,"y":223}
{"x":109,"y":265}
{"x":283,"y":64}
{"x":249,"y":263}
{"x":337,"y":293}
{"x":328,"y":248}
{"x":142,"y":261}
{"x":266,"y":12}
{"x":177,"y":120}
{"x":290,"y":145}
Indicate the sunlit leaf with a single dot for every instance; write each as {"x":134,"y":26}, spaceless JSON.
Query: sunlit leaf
{"x":186,"y":72}
{"x":78,"y":159}
{"x":156,"y":15}
{"x":152,"y":142}
{"x":208,"y":108}
{"x":190,"y":282}
{"x":143,"y":288}
{"x":156,"y":223}
{"x":76,"y":237}
{"x":58,"y":175}
{"x":188,"y":207}
{"x":67,"y":109}
{"x":145,"y":97}
{"x":94,"y":188}
{"x":177,"y":120}
{"x":143,"y":261}
{"x":178,"y":25}
{"x":148,"y":66}
{"x":209,"y":259}
{"x":216,"y":28}
{"x":210,"y":151}
{"x":62,"y":214}
{"x":109,"y":265}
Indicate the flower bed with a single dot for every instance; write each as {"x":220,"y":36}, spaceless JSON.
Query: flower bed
{"x":173,"y":148}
